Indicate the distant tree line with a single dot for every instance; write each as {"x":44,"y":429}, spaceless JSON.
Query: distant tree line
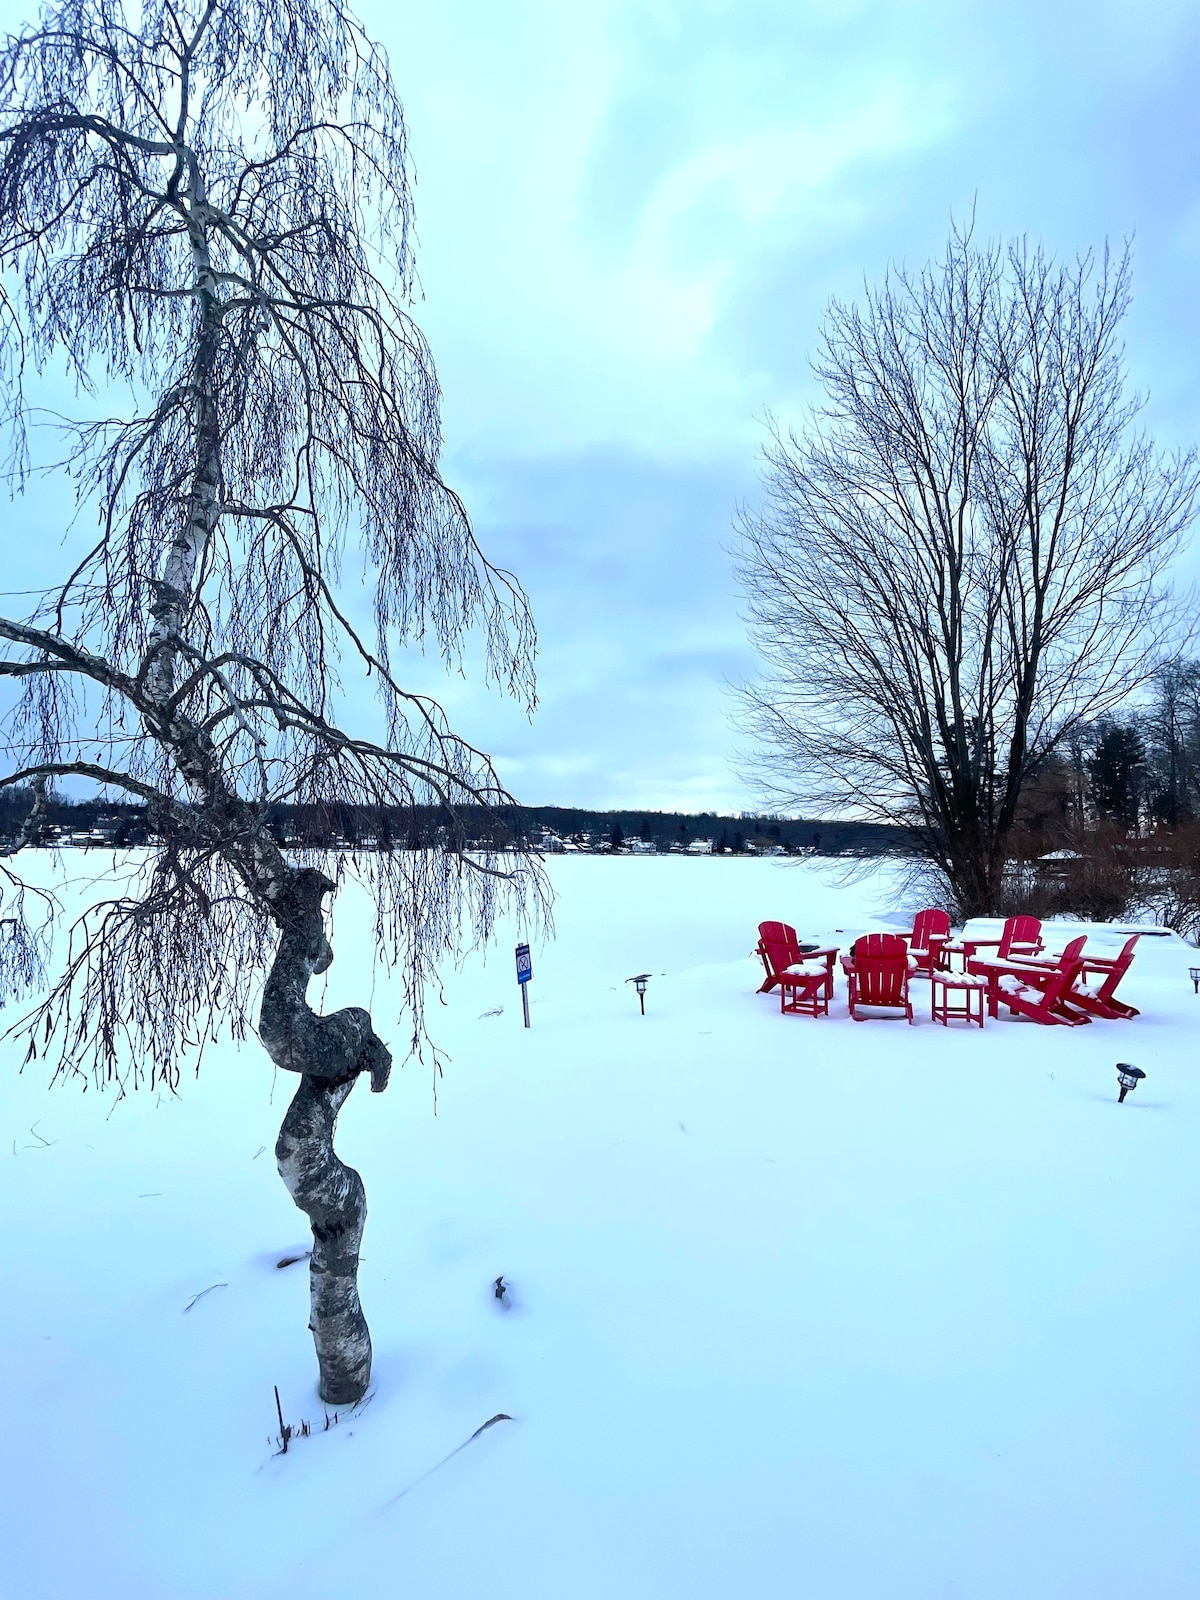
{"x":495,"y":827}
{"x":733,"y":835}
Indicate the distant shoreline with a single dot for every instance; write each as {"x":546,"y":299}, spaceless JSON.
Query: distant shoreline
{"x":551,"y":829}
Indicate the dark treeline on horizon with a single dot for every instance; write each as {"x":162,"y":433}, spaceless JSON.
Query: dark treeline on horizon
{"x":497,"y":827}
{"x":665,"y":829}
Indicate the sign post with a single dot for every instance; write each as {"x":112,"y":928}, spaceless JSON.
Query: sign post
{"x":524,"y":973}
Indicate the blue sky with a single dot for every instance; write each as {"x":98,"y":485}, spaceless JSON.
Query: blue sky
{"x":630,"y":218}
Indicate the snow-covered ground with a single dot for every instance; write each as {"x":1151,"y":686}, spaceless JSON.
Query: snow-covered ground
{"x":800,"y":1307}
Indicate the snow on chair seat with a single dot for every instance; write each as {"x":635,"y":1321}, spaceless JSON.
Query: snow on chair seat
{"x":1011,"y":985}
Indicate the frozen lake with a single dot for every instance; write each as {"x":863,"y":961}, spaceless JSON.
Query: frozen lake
{"x":801,"y":1307}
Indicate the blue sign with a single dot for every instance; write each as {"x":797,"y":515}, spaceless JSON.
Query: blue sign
{"x":524,"y":964}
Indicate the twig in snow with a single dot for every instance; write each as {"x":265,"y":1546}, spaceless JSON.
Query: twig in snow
{"x":501,"y":1416}
{"x":201,"y":1295}
{"x":42,"y":1144}
{"x":287,"y":1433}
{"x":290,"y":1261}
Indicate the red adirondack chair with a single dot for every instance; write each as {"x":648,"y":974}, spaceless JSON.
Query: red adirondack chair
{"x":1099,"y":999}
{"x":931,"y":930}
{"x":793,"y":971}
{"x":779,"y":949}
{"x":878,"y":972}
{"x":1037,"y":990}
{"x":1020,"y":937}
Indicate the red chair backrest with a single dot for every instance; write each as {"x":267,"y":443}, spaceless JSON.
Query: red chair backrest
{"x":1072,"y":956}
{"x":881,"y":969}
{"x":1118,"y":969}
{"x":1020,"y":931}
{"x":930,"y":923}
{"x":777,"y":942}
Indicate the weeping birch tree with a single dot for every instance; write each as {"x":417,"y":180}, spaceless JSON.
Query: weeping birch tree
{"x":205,"y":214}
{"x":963,"y":559}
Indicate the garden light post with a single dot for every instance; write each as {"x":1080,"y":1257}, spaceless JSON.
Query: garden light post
{"x":1128,"y":1077}
{"x":1194,"y":975}
{"x":639,"y":983}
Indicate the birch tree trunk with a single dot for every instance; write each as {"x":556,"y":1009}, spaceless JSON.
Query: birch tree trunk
{"x":329,"y":1052}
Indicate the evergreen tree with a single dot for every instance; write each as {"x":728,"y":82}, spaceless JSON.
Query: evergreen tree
{"x":1113,"y":767}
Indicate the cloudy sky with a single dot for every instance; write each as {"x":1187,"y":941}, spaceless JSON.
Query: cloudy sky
{"x":631,"y":216}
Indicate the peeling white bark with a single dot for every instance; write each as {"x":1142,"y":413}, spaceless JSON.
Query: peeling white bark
{"x":175,"y":585}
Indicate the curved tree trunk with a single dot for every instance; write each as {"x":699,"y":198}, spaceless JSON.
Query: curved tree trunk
{"x":329,"y":1052}
{"x":331,"y":1194}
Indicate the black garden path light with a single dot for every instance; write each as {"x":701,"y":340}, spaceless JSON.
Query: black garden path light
{"x":1194,"y":975}
{"x":1128,"y":1077}
{"x":639,"y":983}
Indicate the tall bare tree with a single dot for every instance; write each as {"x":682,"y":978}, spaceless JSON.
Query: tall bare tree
{"x":962,"y":557}
{"x":205,"y":213}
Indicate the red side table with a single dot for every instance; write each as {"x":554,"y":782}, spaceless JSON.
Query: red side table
{"x":942,"y":985}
